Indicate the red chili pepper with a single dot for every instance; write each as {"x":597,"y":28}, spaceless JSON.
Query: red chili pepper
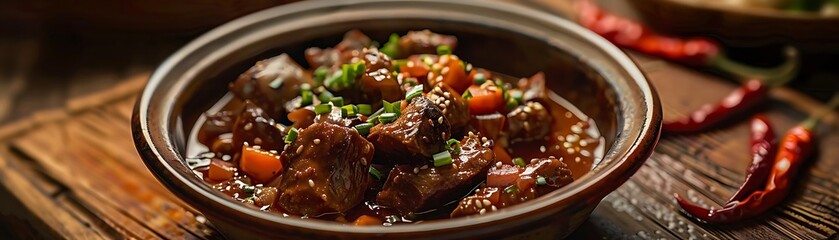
{"x":744,"y":98}
{"x":796,"y":146}
{"x":762,"y":155}
{"x":694,"y":51}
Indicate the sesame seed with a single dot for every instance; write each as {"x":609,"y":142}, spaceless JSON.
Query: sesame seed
{"x":556,"y":147}
{"x":576,"y":129}
{"x":471,"y":134}
{"x":568,"y":115}
{"x":424,"y":167}
{"x":570,"y":150}
{"x":494,"y":208}
{"x":366,"y":149}
{"x":257,"y":140}
{"x":311,"y":183}
{"x":527,"y":126}
{"x":447,"y":102}
{"x":572,"y":137}
{"x":585,"y":153}
{"x":498,"y":164}
{"x":409,"y":64}
{"x":316,"y":141}
{"x":416,"y":170}
{"x":364,"y":161}
{"x":527,"y":109}
{"x":537,"y":105}
{"x":567,"y":145}
{"x":257,"y":147}
{"x":273,"y":151}
{"x":299,"y":149}
{"x":533,"y":160}
{"x":542,"y":149}
{"x":577,"y":159}
{"x":486,"y":202}
{"x":478,"y":203}
{"x":248,"y":126}
{"x":440,"y":119}
{"x":583,"y":143}
{"x":483,"y":211}
{"x":447,"y":94}
{"x":323,"y":196}
{"x":410,"y":124}
{"x":484,"y":139}
{"x":445,"y":70}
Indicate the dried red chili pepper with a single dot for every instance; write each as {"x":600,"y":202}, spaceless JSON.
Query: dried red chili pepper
{"x":695,"y":51}
{"x":796,"y":146}
{"x":749,"y":95}
{"x":762,"y":155}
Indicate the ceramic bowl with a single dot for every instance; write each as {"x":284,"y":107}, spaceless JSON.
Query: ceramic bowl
{"x":585,"y":69}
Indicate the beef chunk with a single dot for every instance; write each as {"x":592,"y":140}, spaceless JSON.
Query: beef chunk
{"x":424,"y":42}
{"x":378,"y":83}
{"x":411,"y":188}
{"x":527,"y":122}
{"x":216,"y":124}
{"x":342,"y":53}
{"x":254,"y":127}
{"x":270,"y":83}
{"x":452,"y":105}
{"x":508,"y":185}
{"x":325,"y":166}
{"x":420,"y":132}
{"x":534,"y":88}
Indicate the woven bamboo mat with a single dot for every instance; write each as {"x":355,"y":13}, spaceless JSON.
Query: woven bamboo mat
{"x":74,"y":173}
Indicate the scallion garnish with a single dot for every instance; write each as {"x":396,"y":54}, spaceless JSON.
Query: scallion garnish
{"x":453,"y":145}
{"x":415,"y":91}
{"x":337,"y":101}
{"x":444,"y":50}
{"x":373,"y":120}
{"x":349,"y":109}
{"x":391,"y":47}
{"x":467,"y":95}
{"x":541,"y":181}
{"x":375,"y":172}
{"x":511,"y":189}
{"x":512,"y":103}
{"x":516,"y":94}
{"x":323,"y":108}
{"x":334,"y":82}
{"x":398,"y":63}
{"x":394,"y":108}
{"x":365,"y":109}
{"x":292,"y":135}
{"x":325,"y":96}
{"x":307,"y":98}
{"x":305,"y":87}
{"x":363,"y":128}
{"x":519,"y":161}
{"x":249,"y":189}
{"x":479,"y":79}
{"x":320,"y":74}
{"x":442,"y":158}
{"x":387,"y":117}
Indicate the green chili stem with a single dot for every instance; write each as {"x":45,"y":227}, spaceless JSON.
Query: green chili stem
{"x":774,"y":77}
{"x":811,"y":122}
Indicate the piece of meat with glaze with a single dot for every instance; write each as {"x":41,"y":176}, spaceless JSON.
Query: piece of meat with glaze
{"x":215,"y":125}
{"x":271,"y":83}
{"x":256,"y":128}
{"x":324,"y":168}
{"x":424,"y":42}
{"x":508,"y":185}
{"x":416,"y":135}
{"x":452,"y":105}
{"x":378,"y":83}
{"x":354,"y":40}
{"x":528,"y":122}
{"x":412,"y":188}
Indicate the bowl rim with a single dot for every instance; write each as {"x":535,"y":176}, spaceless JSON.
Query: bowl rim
{"x":154,"y":155}
{"x":753,"y":12}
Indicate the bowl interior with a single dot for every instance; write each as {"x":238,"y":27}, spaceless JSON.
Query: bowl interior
{"x":586,"y":70}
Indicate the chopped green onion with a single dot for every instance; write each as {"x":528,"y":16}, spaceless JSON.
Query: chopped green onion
{"x":391,"y":47}
{"x":337,"y":101}
{"x":453,"y":149}
{"x":387,"y":117}
{"x":373,"y":120}
{"x":392,"y":107}
{"x":334,"y":82}
{"x":479,"y":79}
{"x":416,"y":91}
{"x":320,"y":74}
{"x":360,"y":68}
{"x":350,"y":109}
{"x":512,"y":103}
{"x":306,"y":98}
{"x":365,"y":109}
{"x":519,"y":161}
{"x":323,"y":108}
{"x":442,"y":158}
{"x":398,"y":63}
{"x":249,"y":189}
{"x":305,"y":87}
{"x":325,"y":96}
{"x":363,"y":128}
{"x":541,"y":181}
{"x":444,"y":50}
{"x":375,"y":172}
{"x":292,"y":135}
{"x":518,"y":95}
{"x":511,"y":189}
{"x":467,"y":95}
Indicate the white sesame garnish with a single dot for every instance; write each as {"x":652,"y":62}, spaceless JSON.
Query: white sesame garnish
{"x":498,"y":164}
{"x":416,"y":170}
{"x":440,"y":119}
{"x":257,"y":141}
{"x":527,"y":109}
{"x":323,"y":196}
{"x":576,"y":129}
{"x":576,"y":159}
{"x":316,"y":141}
{"x":273,"y":151}
{"x":248,"y":126}
{"x":572,"y":138}
{"x":568,"y":115}
{"x":447,"y":94}
{"x":447,"y":102}
{"x":478,"y":203}
{"x":471,"y":134}
{"x":570,"y":150}
{"x":483,"y":211}
{"x":494,"y":208}
{"x":484,"y":139}
{"x":257,"y":147}
{"x":585,"y":153}
{"x":299,"y":149}
{"x":311,"y":183}
{"x":542,"y":149}
{"x":424,"y":167}
{"x":486,"y":202}
{"x":567,"y":145}
{"x":556,"y":147}
{"x":583,"y":143}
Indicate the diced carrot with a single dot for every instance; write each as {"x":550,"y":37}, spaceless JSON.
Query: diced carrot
{"x":220,"y":170}
{"x":260,"y":165}
{"x":455,"y":77}
{"x":485,"y":100}
{"x":503,"y":176}
{"x":367,"y":220}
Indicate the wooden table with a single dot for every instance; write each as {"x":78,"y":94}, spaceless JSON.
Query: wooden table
{"x":65,"y":104}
